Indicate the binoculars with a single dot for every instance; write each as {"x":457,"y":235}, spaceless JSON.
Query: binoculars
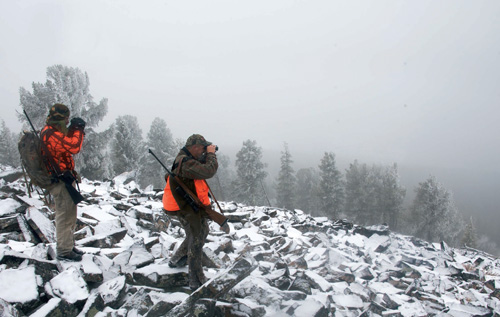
{"x":216,"y":148}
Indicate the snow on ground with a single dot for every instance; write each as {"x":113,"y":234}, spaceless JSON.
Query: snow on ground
{"x":306,"y":266}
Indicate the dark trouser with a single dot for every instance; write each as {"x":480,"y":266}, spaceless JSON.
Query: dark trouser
{"x":65,"y":219}
{"x":196,"y":229}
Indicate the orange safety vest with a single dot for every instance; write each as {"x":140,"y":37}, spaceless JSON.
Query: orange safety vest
{"x":169,"y":203}
{"x":61,"y":146}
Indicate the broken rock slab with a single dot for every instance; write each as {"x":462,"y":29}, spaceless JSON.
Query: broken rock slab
{"x":104,"y":240}
{"x":140,"y":302}
{"x":140,"y":212}
{"x":113,"y":291}
{"x":9,"y":224}
{"x":28,"y":233}
{"x":68,"y":285}
{"x":25,"y":294}
{"x":44,"y":268}
{"x":161,"y":276}
{"x":91,"y":271}
{"x":56,"y":307}
{"x":7,"y":309}
{"x":140,"y":256}
{"x":381,"y":230}
{"x":216,"y":287}
{"x":9,"y":207}
{"x":42,"y":225}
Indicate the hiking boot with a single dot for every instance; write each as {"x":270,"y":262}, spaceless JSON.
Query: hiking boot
{"x":195,"y":283}
{"x":78,"y":251}
{"x":72,"y":256}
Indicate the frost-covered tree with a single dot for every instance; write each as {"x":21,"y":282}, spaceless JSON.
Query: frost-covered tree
{"x":286,"y":181}
{"x":66,"y":85}
{"x":248,"y":185}
{"x":359,"y":194}
{"x":71,"y":87}
{"x":330,"y":187}
{"x":374,"y":195}
{"x":127,"y":147}
{"x":94,"y":161}
{"x":9,"y":154}
{"x":390,"y":197}
{"x":470,"y":236}
{"x":434,"y":215}
{"x":306,"y":193}
{"x":221,"y":182}
{"x":161,"y":142}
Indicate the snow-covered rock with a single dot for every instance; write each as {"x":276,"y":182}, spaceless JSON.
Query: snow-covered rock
{"x":296,"y":265}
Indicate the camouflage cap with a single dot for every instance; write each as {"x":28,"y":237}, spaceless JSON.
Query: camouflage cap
{"x":59,"y":111}
{"x":197,"y":139}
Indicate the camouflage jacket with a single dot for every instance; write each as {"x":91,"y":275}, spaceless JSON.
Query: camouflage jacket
{"x":191,"y":169}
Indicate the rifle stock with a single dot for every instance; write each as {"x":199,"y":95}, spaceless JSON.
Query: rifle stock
{"x":75,"y":195}
{"x":219,"y":219}
{"x":68,"y":178}
{"x":196,"y":204}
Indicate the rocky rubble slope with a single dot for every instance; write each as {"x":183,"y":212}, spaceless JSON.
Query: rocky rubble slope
{"x":274,"y":262}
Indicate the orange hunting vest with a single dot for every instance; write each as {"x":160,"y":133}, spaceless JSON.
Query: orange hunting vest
{"x":169,"y":203}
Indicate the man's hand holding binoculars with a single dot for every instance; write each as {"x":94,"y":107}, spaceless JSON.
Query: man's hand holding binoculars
{"x":211,"y":148}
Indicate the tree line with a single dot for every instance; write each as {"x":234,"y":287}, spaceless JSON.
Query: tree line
{"x":364,"y":194}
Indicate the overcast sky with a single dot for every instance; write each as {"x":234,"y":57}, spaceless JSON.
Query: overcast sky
{"x":412,"y":82}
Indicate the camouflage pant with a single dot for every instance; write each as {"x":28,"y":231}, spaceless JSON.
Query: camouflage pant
{"x":65,"y":219}
{"x":196,"y":229}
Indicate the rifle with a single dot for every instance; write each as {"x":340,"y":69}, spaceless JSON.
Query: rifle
{"x":191,"y":199}
{"x":67,"y":177}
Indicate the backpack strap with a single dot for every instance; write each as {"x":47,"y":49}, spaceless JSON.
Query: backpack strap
{"x":177,"y":165}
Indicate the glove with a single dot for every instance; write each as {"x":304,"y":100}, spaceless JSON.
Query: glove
{"x":77,"y":124}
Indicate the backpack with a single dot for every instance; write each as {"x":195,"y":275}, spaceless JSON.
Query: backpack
{"x":31,"y":158}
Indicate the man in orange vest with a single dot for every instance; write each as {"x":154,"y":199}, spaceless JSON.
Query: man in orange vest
{"x":195,"y":162}
{"x":63,"y":142}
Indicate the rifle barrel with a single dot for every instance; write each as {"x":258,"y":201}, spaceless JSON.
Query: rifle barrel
{"x":156,"y":157}
{"x":29,"y":120}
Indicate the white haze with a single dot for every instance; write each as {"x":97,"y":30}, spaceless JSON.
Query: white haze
{"x":412,"y":82}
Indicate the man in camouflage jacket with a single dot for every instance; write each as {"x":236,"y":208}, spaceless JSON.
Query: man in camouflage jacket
{"x":195,"y":162}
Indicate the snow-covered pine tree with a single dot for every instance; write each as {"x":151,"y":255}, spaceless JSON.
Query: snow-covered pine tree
{"x":94,"y":161}
{"x":373,"y":194}
{"x":306,"y":192}
{"x":286,"y":181}
{"x":391,"y":197}
{"x":358,"y":194}
{"x":9,"y":154}
{"x":66,"y":85}
{"x":127,"y":147}
{"x":331,"y":187}
{"x":69,"y":86}
{"x":434,"y":215}
{"x":221,"y":182}
{"x":247,"y":187}
{"x":161,"y":142}
{"x":469,"y":238}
